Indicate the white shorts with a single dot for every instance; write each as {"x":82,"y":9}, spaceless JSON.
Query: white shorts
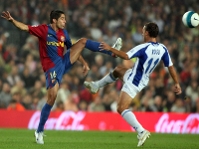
{"x":128,"y":87}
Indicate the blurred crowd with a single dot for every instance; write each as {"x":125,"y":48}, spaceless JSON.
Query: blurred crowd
{"x":22,"y":81}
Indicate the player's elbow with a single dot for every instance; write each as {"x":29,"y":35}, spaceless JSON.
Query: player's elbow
{"x":126,"y":57}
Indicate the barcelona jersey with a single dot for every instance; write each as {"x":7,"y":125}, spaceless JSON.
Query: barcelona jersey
{"x":51,"y":49}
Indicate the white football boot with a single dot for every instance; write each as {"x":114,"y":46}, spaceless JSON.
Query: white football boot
{"x":118,"y":44}
{"x":92,"y":86}
{"x":39,"y":137}
{"x":142,"y":137}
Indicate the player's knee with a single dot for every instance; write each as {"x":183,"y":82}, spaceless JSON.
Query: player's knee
{"x":118,"y":68}
{"x":118,"y":71}
{"x":82,"y":41}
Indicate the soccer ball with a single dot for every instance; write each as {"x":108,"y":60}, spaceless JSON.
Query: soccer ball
{"x":190,"y":19}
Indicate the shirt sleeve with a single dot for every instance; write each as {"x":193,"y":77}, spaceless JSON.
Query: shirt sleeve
{"x":136,"y":51}
{"x":166,"y":59}
{"x":68,"y":42}
{"x":38,"y":30}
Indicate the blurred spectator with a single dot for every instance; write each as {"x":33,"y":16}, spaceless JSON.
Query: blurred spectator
{"x":157,"y":105}
{"x":83,"y":105}
{"x":178,"y":106}
{"x":193,"y":92}
{"x":27,"y":78}
{"x":108,"y":67}
{"x":72,"y":103}
{"x":95,"y":32}
{"x":30,"y":63}
{"x":159,"y":22}
{"x":16,"y":102}
{"x":63,"y":93}
{"x":5,"y":96}
{"x":196,"y":107}
{"x":41,"y":102}
{"x":19,"y":87}
{"x":85,"y":95}
{"x":27,"y":102}
{"x":96,"y":105}
{"x":146,"y":101}
{"x":37,"y":90}
{"x":13,"y":77}
{"x":59,"y":106}
{"x":169,"y":101}
{"x":159,"y":87}
{"x":15,"y":106}
{"x":137,"y":35}
{"x":35,"y":101}
{"x":113,"y":104}
{"x":108,"y":100}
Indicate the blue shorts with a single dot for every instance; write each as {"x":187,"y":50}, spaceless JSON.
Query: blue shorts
{"x":55,"y":74}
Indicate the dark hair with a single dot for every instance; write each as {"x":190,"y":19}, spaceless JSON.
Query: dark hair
{"x":152,"y":29}
{"x":55,"y":14}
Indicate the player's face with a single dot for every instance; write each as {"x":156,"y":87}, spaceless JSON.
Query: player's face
{"x":61,"y":22}
{"x":144,"y":33}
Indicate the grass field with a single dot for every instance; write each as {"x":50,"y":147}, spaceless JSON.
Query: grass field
{"x":24,"y":139}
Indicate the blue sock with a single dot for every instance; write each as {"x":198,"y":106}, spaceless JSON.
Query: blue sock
{"x":94,"y":46}
{"x":45,"y":112}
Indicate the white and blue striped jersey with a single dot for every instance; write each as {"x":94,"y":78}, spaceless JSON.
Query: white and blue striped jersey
{"x":148,"y":56}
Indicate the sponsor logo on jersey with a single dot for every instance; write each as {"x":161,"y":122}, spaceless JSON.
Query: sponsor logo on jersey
{"x":57,"y":44}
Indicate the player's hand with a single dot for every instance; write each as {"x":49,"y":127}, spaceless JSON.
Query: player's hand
{"x":85,"y":69}
{"x":6,"y":15}
{"x":104,"y":46}
{"x":177,"y":89}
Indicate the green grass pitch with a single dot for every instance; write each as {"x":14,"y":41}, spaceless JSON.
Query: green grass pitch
{"x":24,"y":139}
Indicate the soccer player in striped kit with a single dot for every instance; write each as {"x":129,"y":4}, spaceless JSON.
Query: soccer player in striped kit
{"x":53,"y":39}
{"x":148,"y":55}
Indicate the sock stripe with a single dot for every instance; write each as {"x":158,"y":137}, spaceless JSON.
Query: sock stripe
{"x":112,"y":77}
{"x":125,"y":111}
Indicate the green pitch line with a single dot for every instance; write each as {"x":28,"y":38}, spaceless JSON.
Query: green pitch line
{"x":24,"y":139}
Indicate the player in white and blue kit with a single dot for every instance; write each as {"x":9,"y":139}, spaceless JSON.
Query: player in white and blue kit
{"x":148,"y":55}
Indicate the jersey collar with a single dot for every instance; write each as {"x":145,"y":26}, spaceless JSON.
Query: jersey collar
{"x":153,"y":42}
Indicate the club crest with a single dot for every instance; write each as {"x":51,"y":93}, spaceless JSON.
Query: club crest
{"x":62,"y":38}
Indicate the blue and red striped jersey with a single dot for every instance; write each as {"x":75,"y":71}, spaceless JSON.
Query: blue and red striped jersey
{"x":51,"y":44}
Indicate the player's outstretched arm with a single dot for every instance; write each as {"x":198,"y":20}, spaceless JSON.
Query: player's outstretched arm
{"x":6,"y":15}
{"x":175,"y":79}
{"x":121,"y":54}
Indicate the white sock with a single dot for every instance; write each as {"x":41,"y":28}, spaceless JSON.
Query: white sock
{"x":107,"y":79}
{"x":131,"y":120}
